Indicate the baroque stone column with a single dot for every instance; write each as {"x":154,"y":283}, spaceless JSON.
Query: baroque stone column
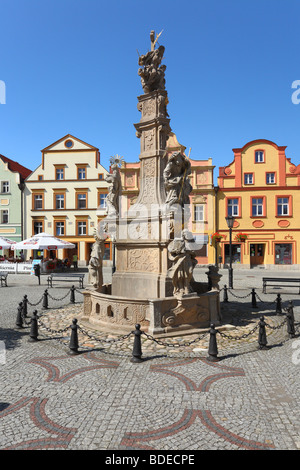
{"x":141,"y":242}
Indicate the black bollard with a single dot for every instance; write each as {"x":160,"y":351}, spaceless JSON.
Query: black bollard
{"x":290,"y":320}
{"x":253,"y":300}
{"x":137,"y":346}
{"x":278,"y":305}
{"x":72,"y":295}
{"x":19,"y":321}
{"x":262,"y":336}
{"x":34,"y":328}
{"x":25,"y":302}
{"x":45,"y":299}
{"x":213,"y":348}
{"x":225,"y":298}
{"x":73,"y":346}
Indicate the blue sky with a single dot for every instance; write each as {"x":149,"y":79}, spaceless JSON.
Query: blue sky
{"x":70,"y":66}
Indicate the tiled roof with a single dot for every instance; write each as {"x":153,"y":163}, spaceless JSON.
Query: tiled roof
{"x":16,"y":167}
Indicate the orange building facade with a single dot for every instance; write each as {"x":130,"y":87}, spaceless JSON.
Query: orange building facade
{"x":260,"y":189}
{"x":202,"y":198}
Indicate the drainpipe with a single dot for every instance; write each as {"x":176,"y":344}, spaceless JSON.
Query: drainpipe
{"x":21,"y":186}
{"x":216,"y":188}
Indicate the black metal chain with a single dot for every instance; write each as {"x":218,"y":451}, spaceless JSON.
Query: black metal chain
{"x":62,"y":298}
{"x":174,"y":345}
{"x":95,"y":338}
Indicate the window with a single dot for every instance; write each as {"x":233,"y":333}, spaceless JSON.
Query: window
{"x":257,"y":206}
{"x":283,"y":204}
{"x":270,"y":178}
{"x":38,"y":201}
{"x":102,"y":201}
{"x":4,"y":217}
{"x":100,"y":176}
{"x":81,"y":227}
{"x":259,"y":156}
{"x":5,"y":187}
{"x":60,"y":173}
{"x":37,"y":227}
{"x":69,"y":144}
{"x":40,"y":177}
{"x":233,"y":207}
{"x":59,"y":228}
{"x":59,"y":201}
{"x":283,"y":253}
{"x":199,"y":213}
{"x":248,"y":178}
{"x":81,"y":201}
{"x":82,"y":173}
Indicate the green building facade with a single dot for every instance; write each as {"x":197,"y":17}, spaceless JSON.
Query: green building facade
{"x":12,"y":177}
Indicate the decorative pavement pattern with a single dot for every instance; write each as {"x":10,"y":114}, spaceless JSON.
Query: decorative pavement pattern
{"x":173,"y":400}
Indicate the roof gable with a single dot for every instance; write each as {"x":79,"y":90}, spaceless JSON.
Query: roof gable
{"x":75,"y":144}
{"x":15,"y":167}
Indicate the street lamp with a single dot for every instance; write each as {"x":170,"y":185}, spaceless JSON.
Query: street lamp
{"x":230,"y":222}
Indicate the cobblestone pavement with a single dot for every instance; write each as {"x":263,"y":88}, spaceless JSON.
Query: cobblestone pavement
{"x":175,"y":399}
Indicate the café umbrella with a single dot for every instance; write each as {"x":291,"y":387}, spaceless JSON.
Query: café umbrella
{"x":43,"y":241}
{"x":6,"y":243}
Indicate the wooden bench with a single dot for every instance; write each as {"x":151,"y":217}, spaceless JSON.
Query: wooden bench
{"x":273,"y":281}
{"x":68,"y":277}
{"x":3,"y":278}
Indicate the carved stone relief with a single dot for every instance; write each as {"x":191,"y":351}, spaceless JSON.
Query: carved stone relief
{"x":143,"y":259}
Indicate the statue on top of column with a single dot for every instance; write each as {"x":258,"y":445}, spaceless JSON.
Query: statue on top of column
{"x":152,"y":73}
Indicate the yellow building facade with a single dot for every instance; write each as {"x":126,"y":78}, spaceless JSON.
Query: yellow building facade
{"x":260,"y":189}
{"x":65,"y":197}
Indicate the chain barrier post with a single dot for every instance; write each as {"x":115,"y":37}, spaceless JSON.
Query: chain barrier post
{"x":25,"y":302}
{"x":33,"y":336}
{"x":137,"y":346}
{"x":253,"y":301}
{"x":278,"y":305}
{"x":262,"y":335}
{"x":290,"y":320}
{"x":45,"y":299}
{"x":72,"y":295}
{"x":19,"y":321}
{"x":225,"y":297}
{"x":73,"y":346}
{"x":213,"y":348}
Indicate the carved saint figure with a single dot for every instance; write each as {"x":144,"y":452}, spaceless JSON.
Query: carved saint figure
{"x":114,"y":191}
{"x":152,"y":73}
{"x":95,"y":263}
{"x":183,"y":263}
{"x":176,"y":180}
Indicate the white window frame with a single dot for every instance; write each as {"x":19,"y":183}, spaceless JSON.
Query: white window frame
{"x":81,"y":228}
{"x":59,"y":225}
{"x":259,"y":156}
{"x":199,"y":212}
{"x":270,"y":175}
{"x":59,"y":201}
{"x":5,"y":187}
{"x":6,"y":211}
{"x":248,"y":178}
{"x":233,"y":206}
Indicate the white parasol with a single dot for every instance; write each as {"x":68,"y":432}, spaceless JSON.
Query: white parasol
{"x":43,"y":241}
{"x":6,"y":243}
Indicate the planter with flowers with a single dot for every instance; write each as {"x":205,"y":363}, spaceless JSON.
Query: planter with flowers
{"x":217,"y":237}
{"x":241,"y":237}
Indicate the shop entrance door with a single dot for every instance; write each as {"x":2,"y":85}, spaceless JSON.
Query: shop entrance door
{"x":257,"y":254}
